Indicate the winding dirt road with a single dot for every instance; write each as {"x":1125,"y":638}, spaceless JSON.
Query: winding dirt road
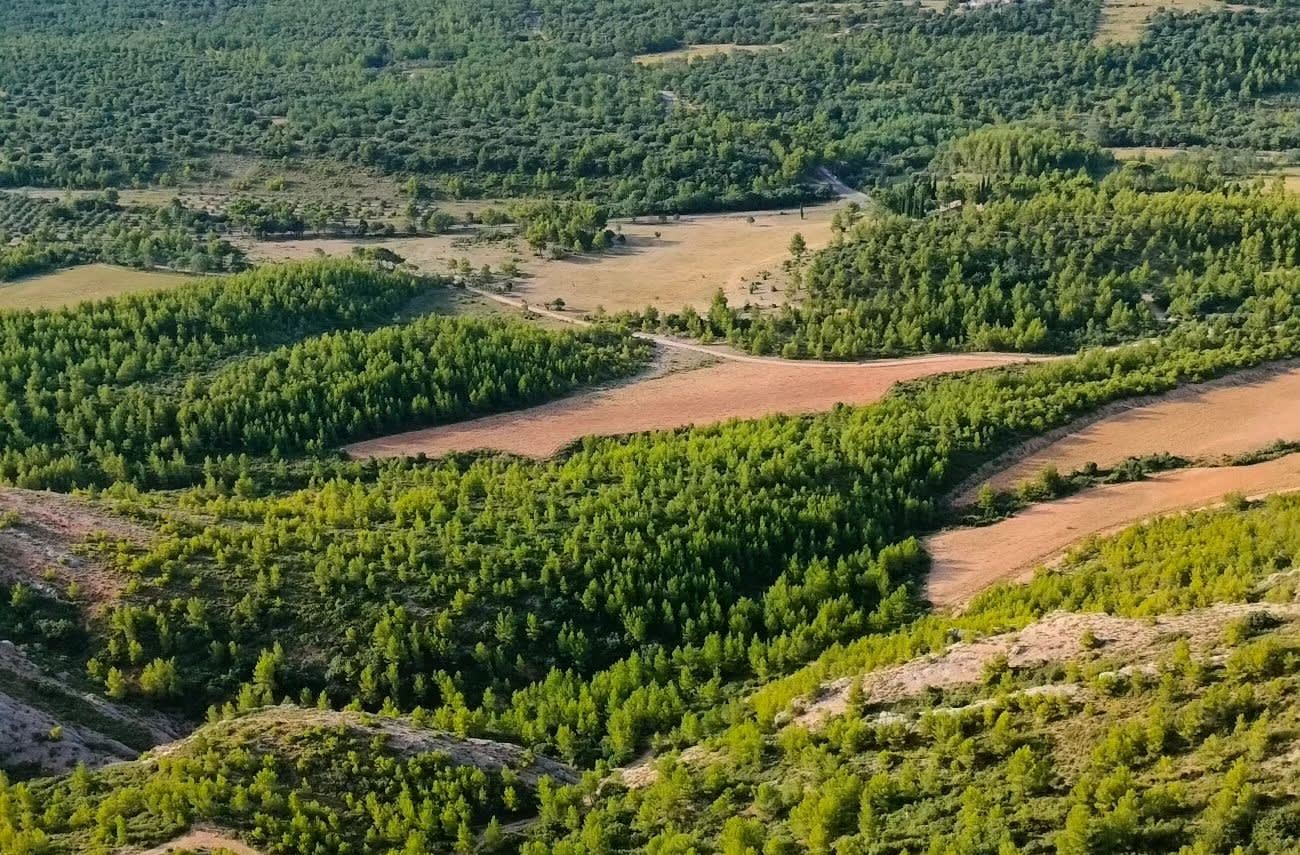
{"x":978,"y":359}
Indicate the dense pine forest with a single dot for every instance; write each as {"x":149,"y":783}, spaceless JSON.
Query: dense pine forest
{"x":511,"y":98}
{"x":219,"y":629}
{"x":568,"y":605}
{"x":148,"y":389}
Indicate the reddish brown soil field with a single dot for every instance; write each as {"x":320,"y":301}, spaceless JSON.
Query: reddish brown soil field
{"x":967,"y":560}
{"x":1204,"y":423}
{"x":733,"y":390}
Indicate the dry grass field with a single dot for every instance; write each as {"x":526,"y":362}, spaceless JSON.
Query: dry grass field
{"x":732,"y":390}
{"x":1289,"y":176}
{"x":87,"y":282}
{"x":687,"y":54}
{"x":667,"y":265}
{"x":1145,"y":152}
{"x":967,"y":560}
{"x":1206,"y":423}
{"x":1124,"y":21}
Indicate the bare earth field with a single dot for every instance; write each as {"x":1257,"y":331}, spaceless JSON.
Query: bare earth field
{"x":1205,"y":423}
{"x":40,"y":545}
{"x":733,"y":390}
{"x":199,"y":840}
{"x":967,"y":560}
{"x":667,"y":265}
{"x":87,"y":282}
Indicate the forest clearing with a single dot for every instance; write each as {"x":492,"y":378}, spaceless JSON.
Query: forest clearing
{"x":87,"y":282}
{"x":732,"y":390}
{"x":667,"y":265}
{"x":1125,"y":21}
{"x":967,"y":560}
{"x":1204,"y":423}
{"x":697,"y":52}
{"x":200,"y":839}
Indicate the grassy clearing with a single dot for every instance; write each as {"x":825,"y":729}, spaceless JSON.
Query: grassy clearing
{"x":1289,"y":175}
{"x":1145,"y":152}
{"x":1124,"y":21}
{"x":87,"y":282}
{"x":699,"y":51}
{"x":666,"y":265}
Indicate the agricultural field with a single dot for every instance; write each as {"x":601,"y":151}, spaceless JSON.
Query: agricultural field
{"x":968,"y":560}
{"x":693,"y":397}
{"x":74,"y":285}
{"x":1204,"y":423}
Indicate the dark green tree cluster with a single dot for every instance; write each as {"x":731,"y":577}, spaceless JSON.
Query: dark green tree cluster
{"x":296,"y":218}
{"x":593,"y":601}
{"x":352,"y":385}
{"x":629,"y":589}
{"x":49,"y":625}
{"x":1169,"y":749}
{"x":576,"y":226}
{"x":499,"y":98}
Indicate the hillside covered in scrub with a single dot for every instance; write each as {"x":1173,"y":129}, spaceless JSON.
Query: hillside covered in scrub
{"x":682,"y":427}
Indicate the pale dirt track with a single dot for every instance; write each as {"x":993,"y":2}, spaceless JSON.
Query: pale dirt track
{"x":201,"y":840}
{"x":738,"y":389}
{"x":1204,"y":423}
{"x":968,"y":560}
